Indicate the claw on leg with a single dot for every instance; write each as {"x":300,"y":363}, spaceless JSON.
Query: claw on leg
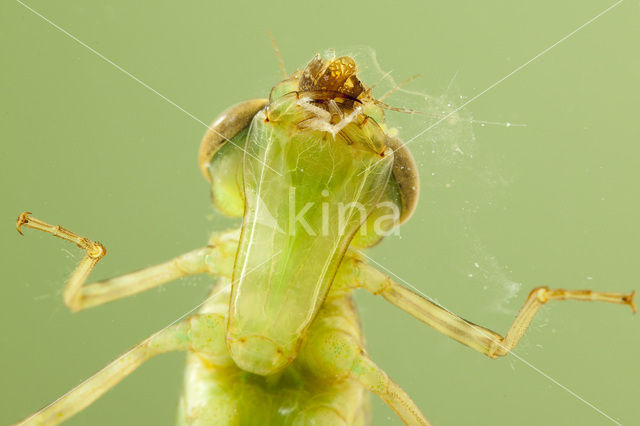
{"x":22,"y":220}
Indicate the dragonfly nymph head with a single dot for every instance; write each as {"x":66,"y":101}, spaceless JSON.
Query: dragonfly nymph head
{"x":330,"y":90}
{"x":312,"y":171}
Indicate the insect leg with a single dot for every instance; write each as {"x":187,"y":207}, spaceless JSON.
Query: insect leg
{"x":373,"y":378}
{"x":195,"y":333}
{"x":479,"y":338}
{"x":78,"y":295}
{"x":541,"y":295}
{"x":333,"y":352}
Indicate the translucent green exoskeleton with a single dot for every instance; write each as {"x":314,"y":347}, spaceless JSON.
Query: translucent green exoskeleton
{"x":315,"y":174}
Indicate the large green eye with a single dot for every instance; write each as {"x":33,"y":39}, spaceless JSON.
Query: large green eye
{"x":226,"y":176}
{"x":224,"y":128}
{"x":221,"y":160}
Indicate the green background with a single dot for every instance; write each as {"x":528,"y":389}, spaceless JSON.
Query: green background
{"x":553,"y":203}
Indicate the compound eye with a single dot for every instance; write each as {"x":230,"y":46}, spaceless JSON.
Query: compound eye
{"x":225,"y":127}
{"x":405,"y":173}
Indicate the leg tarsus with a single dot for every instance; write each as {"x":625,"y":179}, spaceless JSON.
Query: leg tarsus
{"x":537,"y":298}
{"x":544,"y":294}
{"x":77,"y":295}
{"x":92,"y":248}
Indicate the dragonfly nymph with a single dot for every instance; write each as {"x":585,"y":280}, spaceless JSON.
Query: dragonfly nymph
{"x":316,"y":176}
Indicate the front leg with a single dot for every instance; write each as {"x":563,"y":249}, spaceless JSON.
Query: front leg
{"x":476,"y":337}
{"x":77,"y":295}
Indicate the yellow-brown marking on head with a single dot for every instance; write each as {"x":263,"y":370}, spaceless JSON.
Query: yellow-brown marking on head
{"x":336,"y":75}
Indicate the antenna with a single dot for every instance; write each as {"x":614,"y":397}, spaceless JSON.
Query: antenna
{"x":279,"y":55}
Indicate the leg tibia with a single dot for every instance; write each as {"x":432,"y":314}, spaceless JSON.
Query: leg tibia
{"x":476,"y":337}
{"x":186,"y":335}
{"x":373,"y":378}
{"x":100,"y":292}
{"x":94,"y":387}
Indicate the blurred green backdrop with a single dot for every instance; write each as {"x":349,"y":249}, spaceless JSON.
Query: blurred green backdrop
{"x":553,"y":203}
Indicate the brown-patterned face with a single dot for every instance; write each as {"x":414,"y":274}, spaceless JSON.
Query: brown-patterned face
{"x":337,"y":76}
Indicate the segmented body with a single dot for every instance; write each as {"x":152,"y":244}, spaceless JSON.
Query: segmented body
{"x":309,"y":391}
